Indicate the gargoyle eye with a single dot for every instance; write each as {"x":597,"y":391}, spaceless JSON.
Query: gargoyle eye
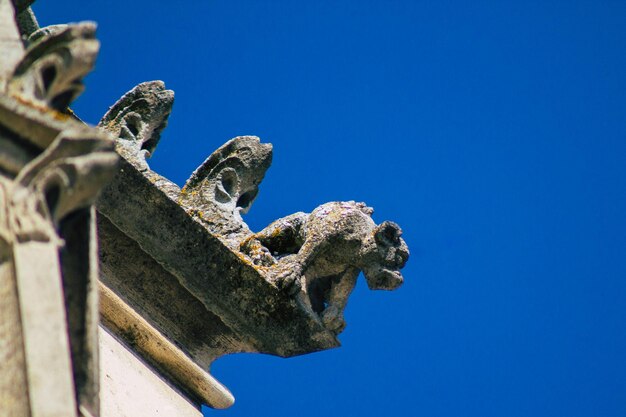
{"x":229,"y":182}
{"x":131,"y":126}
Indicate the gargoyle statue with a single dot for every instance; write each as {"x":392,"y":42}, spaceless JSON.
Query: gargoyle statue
{"x":320,"y":255}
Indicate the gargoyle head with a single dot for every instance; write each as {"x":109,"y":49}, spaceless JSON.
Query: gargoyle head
{"x":227,"y":183}
{"x":383,"y":254}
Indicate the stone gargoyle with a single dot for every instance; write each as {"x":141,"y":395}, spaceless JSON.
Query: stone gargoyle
{"x":321,"y":254}
{"x":314,"y":257}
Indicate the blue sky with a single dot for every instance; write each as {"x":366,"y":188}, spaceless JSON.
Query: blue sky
{"x":493,"y":132}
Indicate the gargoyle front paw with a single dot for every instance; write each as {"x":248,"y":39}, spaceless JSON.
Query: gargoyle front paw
{"x":289,"y":282}
{"x":333,"y":319}
{"x":262,"y":257}
{"x":259,"y":254}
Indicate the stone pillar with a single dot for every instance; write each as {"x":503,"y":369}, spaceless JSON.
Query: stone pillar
{"x":51,"y":169}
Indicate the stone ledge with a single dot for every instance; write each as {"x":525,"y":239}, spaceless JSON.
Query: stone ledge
{"x":148,"y":342}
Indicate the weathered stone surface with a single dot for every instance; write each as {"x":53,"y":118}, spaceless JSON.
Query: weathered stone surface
{"x":158,"y":296}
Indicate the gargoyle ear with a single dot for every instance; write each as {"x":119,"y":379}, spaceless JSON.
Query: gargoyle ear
{"x":387,"y":233}
{"x":227,"y":187}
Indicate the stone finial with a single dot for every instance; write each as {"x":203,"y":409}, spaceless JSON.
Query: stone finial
{"x":51,"y":72}
{"x":138,"y":118}
{"x":226,"y":184}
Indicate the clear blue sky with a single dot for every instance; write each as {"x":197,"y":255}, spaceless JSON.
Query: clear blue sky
{"x":493,"y":132}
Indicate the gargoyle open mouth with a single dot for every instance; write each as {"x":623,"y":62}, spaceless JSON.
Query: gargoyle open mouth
{"x":384,"y":279}
{"x":246,"y":199}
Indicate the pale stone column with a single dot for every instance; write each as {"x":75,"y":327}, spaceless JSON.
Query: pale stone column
{"x":51,"y":169}
{"x":44,"y":327}
{"x":10,"y":42}
{"x":12,"y":365}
